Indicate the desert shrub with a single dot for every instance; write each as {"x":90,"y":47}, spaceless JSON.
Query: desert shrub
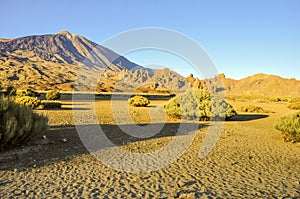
{"x":198,"y":104}
{"x":11,"y":91}
{"x":290,"y":126}
{"x":274,"y":99}
{"x":253,"y":109}
{"x":284,"y":99}
{"x":52,"y":95}
{"x":32,"y":102}
{"x":295,"y":106}
{"x":47,"y":104}
{"x":18,"y":123}
{"x":295,"y":100}
{"x":21,"y":93}
{"x":138,"y":101}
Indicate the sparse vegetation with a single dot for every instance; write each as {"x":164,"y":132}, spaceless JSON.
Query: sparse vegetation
{"x":274,"y":99}
{"x":290,"y":126}
{"x":138,"y":101}
{"x":198,"y":104}
{"x":52,"y":95}
{"x":32,"y":102}
{"x":295,"y":100}
{"x":47,"y":104}
{"x":260,"y":99}
{"x":295,"y":106}
{"x":18,"y":123}
{"x":22,"y":93}
{"x":253,"y":109}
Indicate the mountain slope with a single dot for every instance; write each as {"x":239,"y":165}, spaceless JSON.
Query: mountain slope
{"x":143,"y":80}
{"x":255,"y":85}
{"x":52,"y":61}
{"x":263,"y":85}
{"x":44,"y":61}
{"x":64,"y":48}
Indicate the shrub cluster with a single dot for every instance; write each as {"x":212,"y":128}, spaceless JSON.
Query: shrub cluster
{"x":294,"y":103}
{"x":253,"y":109}
{"x":28,"y":92}
{"x":274,"y":99}
{"x":138,"y":101}
{"x":52,"y":95}
{"x":198,"y":104}
{"x":290,"y":126}
{"x":295,"y":106}
{"x":47,"y":104}
{"x":295,"y":100}
{"x":32,"y":102}
{"x":18,"y":123}
{"x":257,"y":98}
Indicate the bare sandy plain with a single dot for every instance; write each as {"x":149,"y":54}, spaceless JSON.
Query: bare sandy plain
{"x":250,"y":160}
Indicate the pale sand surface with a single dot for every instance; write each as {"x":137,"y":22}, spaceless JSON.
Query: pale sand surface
{"x":250,"y":160}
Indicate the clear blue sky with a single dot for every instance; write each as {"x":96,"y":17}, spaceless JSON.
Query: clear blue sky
{"x":242,"y":37}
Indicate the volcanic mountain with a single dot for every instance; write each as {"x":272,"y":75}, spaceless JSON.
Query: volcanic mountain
{"x":44,"y":61}
{"x":52,"y":61}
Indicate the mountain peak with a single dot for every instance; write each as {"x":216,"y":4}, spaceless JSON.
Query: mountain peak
{"x":64,"y":32}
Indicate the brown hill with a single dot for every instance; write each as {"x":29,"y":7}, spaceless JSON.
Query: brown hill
{"x":263,"y":85}
{"x":255,"y":85}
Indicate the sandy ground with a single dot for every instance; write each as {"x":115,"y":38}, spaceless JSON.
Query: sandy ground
{"x":250,"y":160}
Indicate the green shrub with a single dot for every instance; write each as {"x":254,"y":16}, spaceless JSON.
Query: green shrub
{"x":32,"y":102}
{"x":290,"y":126}
{"x":138,"y":101}
{"x":18,"y":123}
{"x":22,"y":93}
{"x":11,"y":91}
{"x":295,"y":106}
{"x":47,"y":104}
{"x":52,"y":95}
{"x":253,"y":109}
{"x":198,"y":104}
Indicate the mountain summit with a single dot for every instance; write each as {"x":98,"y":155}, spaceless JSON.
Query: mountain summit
{"x":52,"y":60}
{"x":64,"y":48}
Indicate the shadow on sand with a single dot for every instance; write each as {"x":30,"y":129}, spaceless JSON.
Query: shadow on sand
{"x":247,"y":117}
{"x":63,"y":142}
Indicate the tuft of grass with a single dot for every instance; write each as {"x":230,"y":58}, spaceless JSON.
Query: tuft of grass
{"x":290,"y":126}
{"x":253,"y":109}
{"x":28,"y":92}
{"x":274,"y":99}
{"x":138,"y":101}
{"x":53,"y":95}
{"x":198,"y":104}
{"x":295,"y":100}
{"x":295,"y":106}
{"x":48,"y":104}
{"x":32,"y":102}
{"x":18,"y":124}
